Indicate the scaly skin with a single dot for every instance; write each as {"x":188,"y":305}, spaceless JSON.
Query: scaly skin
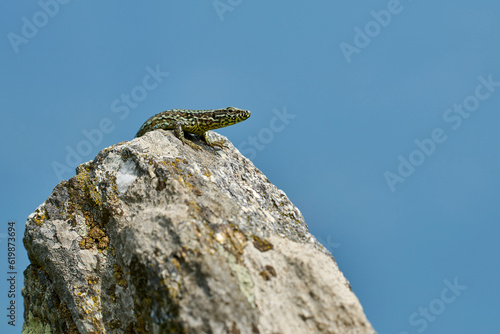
{"x":194,"y":121}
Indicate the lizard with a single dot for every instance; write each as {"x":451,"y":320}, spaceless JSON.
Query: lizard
{"x":197,"y":122}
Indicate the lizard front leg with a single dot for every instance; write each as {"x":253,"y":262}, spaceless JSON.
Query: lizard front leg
{"x":179,"y":133}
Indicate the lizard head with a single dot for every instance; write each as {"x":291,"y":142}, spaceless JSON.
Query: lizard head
{"x":229,"y":116}
{"x":236,"y":115}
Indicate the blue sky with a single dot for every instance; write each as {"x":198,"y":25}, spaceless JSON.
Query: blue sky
{"x":379,"y":119}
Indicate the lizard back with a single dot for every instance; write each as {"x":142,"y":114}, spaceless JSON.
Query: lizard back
{"x":194,"y":121}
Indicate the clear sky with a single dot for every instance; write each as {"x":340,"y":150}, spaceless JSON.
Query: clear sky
{"x":379,"y":120}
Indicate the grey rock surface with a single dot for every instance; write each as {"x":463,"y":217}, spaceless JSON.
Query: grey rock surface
{"x":155,"y":237}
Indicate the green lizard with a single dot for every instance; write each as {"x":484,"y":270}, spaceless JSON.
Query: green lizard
{"x":194,"y":121}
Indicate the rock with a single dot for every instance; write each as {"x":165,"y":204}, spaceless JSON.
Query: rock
{"x":155,"y":237}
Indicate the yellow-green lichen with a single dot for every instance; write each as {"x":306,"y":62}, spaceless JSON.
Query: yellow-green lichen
{"x":35,"y":325}
{"x":40,"y":216}
{"x":92,"y":280}
{"x":262,"y":244}
{"x":245,"y":282}
{"x":232,"y":240}
{"x":93,"y":204}
{"x":89,"y":187}
{"x":119,"y":276}
{"x":206,"y":172}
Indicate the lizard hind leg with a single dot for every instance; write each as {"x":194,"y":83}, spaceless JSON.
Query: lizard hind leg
{"x":179,"y":133}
